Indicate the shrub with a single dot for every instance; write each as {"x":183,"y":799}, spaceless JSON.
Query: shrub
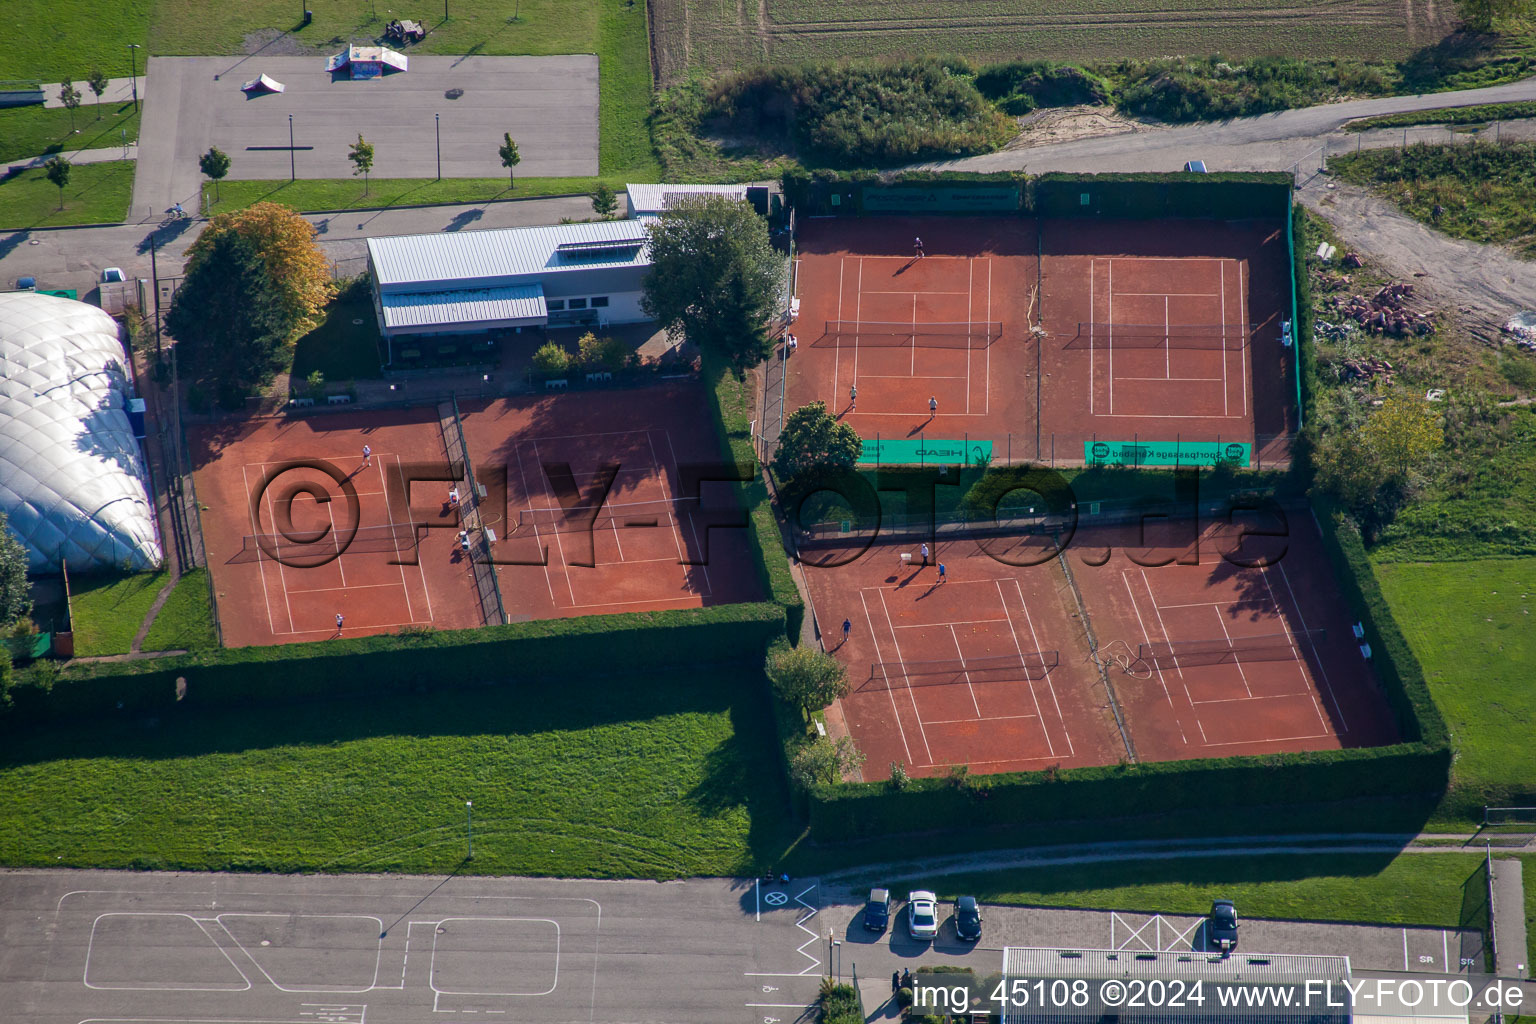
{"x":806,"y":678}
{"x":600,"y":353}
{"x":1031,"y":84}
{"x":551,"y":358}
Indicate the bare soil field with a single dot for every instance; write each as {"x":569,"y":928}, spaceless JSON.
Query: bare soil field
{"x":718,"y":34}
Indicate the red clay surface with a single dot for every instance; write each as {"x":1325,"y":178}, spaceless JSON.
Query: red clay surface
{"x":291,"y":588}
{"x":1167,"y":272}
{"x":967,"y":712}
{"x":1043,"y":399}
{"x":975,"y":271}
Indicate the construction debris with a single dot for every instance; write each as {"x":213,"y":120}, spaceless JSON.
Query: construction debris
{"x":1387,"y":312}
{"x":1522,"y":326}
{"x":1352,"y":260}
{"x":1366,"y":370}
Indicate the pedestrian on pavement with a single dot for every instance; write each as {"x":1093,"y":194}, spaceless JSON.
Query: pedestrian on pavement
{"x":895,"y":980}
{"x":925,"y":553}
{"x":847,"y":628}
{"x":906,"y":978}
{"x":943,"y":573}
{"x":933,"y":407}
{"x":367,"y":455}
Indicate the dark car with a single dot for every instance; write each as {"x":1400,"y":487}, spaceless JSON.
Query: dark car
{"x":1221,"y":929}
{"x":877,"y":912}
{"x":967,"y":918}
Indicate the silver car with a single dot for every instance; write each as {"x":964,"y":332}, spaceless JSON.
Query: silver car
{"x":922,"y":914}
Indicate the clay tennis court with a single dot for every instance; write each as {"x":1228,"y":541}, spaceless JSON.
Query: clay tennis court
{"x":583,"y":496}
{"x":992,"y":668}
{"x":901,"y":329}
{"x":1165,"y":334}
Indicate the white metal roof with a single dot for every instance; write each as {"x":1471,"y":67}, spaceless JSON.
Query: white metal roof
{"x":499,"y":256}
{"x":474,"y":305}
{"x":653,"y":199}
{"x":1136,"y":963}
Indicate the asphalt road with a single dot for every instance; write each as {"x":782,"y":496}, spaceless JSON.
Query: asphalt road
{"x":117,"y":946}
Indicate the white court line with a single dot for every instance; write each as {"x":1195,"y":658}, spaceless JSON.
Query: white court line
{"x":858,"y":317}
{"x":373,"y":627}
{"x":384,"y":482}
{"x":282,"y":577}
{"x":1236,"y":658}
{"x":1300,"y":656}
{"x":987,"y":408}
{"x":1167,"y":341}
{"x":1176,"y":295}
{"x":984,"y":718}
{"x":837,"y":346}
{"x":1203,"y":380}
{"x":908,"y":376}
{"x":925,"y":625}
{"x":329,"y":590}
{"x":970,"y":318}
{"x":1222,"y":266}
{"x":1033,"y":696}
{"x":912,"y":697}
{"x":266,"y":599}
{"x":1092,"y":315}
{"x":1274,"y":739}
{"x":565,"y":565}
{"x":537,"y":539}
{"x":1156,"y":665}
{"x":1321,"y":667}
{"x":870,"y":622}
{"x":876,"y":291}
{"x":1242,"y":312}
{"x":912,"y":368}
{"x":1110,"y":288}
{"x":1244,"y":700}
{"x":677,"y":535}
{"x":964,"y":671}
{"x":1029,"y":620}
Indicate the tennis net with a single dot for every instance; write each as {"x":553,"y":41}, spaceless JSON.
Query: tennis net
{"x":960,"y":334}
{"x":664,"y":513}
{"x":1269,"y":647}
{"x":319,"y":547}
{"x":995,"y":669}
{"x":1207,"y":337}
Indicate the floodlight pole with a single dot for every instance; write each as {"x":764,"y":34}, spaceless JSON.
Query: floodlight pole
{"x":437,"y":122}
{"x":469,"y":827}
{"x":292,"y":172}
{"x":133,"y":71}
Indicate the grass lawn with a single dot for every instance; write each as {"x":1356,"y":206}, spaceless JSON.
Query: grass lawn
{"x":108,"y":610}
{"x":635,"y":777}
{"x":347,"y":193}
{"x":52,"y":39}
{"x":1485,"y":192}
{"x":1424,"y":889}
{"x":1480,"y":115}
{"x":96,"y":194}
{"x":37,"y":131}
{"x":1470,"y":623}
{"x":339,"y":349}
{"x":185,"y":621}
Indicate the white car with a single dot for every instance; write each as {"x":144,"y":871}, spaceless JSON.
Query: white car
{"x":112,"y":274}
{"x":923,"y":914}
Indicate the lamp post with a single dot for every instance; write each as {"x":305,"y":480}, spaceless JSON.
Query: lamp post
{"x":469,"y":827}
{"x":292,"y":173}
{"x":437,"y":123}
{"x":133,"y":71}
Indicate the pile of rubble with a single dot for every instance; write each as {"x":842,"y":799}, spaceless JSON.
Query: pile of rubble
{"x":1387,"y":312}
{"x":1366,"y":370}
{"x":1523,"y":328}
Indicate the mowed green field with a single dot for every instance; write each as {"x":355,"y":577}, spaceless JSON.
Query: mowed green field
{"x":722,"y":34}
{"x":1473,"y":626}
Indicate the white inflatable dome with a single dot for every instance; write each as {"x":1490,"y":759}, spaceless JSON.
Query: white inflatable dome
{"x":72,"y":480}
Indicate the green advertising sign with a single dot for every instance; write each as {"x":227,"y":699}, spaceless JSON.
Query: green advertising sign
{"x":941,"y":199}
{"x":1166,"y":453}
{"x":916,"y":451}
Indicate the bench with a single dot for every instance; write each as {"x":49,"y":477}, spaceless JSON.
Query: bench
{"x":556,"y":385}
{"x":338,"y":399}
{"x":300,"y":403}
{"x":601,"y":375}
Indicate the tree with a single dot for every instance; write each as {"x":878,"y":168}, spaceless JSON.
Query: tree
{"x":825,"y":762}
{"x":58,"y":170}
{"x":1402,"y":433}
{"x":98,"y":83}
{"x":224,"y":316}
{"x":812,"y":440}
{"x":15,"y":595}
{"x":714,"y":276}
{"x":70,"y":97}
{"x":551,"y":359}
{"x":298,"y":273}
{"x":361,"y":155}
{"x":807,"y":679}
{"x":604,"y":201}
{"x":214,"y":164}
{"x":510,"y":157}
{"x":1482,"y":14}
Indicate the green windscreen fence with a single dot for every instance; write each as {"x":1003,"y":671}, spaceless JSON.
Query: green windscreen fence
{"x":958,"y":198}
{"x":1167,"y":453}
{"x":925,"y":451}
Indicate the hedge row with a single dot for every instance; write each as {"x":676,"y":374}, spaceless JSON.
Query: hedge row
{"x":426,"y":660}
{"x":856,"y":811}
{"x":731,"y":402}
{"x":1401,"y":675}
{"x":1306,"y":351}
{"x":1227,"y":195}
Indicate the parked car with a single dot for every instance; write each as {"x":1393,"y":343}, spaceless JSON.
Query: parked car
{"x":967,"y":918}
{"x":923,"y":914}
{"x":1221,"y":928}
{"x":112,"y":274}
{"x":26,"y":284}
{"x":1195,"y":166}
{"x":877,"y":911}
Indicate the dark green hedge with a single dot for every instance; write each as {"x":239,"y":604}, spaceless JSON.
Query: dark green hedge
{"x":731,"y":402}
{"x":1401,"y":675}
{"x":812,"y":194}
{"x":1224,"y":196}
{"x":430,"y":660}
{"x":1306,"y":350}
{"x":856,"y":811}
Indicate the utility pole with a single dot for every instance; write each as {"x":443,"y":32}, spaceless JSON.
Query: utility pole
{"x":437,"y":122}
{"x":292,"y":173}
{"x":133,"y":70}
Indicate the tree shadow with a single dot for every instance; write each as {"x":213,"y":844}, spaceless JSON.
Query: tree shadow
{"x":12,"y":241}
